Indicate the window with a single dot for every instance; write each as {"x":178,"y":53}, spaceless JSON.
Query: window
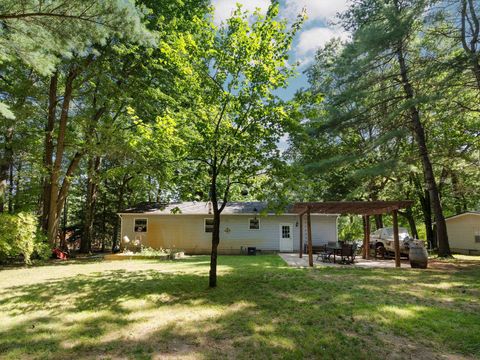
{"x":285,"y":232}
{"x":208,"y":225}
{"x":140,"y":225}
{"x":254,"y":224}
{"x":477,"y":236}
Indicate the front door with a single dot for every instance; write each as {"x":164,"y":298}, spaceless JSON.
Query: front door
{"x":286,"y":238}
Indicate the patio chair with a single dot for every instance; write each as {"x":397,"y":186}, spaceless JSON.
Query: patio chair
{"x":354,"y":251}
{"x":324,"y":254}
{"x":348,"y":253}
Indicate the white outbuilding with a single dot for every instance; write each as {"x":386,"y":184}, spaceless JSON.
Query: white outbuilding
{"x":464,"y":232}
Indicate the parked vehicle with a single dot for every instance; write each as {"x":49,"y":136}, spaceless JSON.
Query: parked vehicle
{"x":382,"y":241}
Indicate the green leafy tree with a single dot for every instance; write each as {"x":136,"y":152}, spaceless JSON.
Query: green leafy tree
{"x":234,"y":121}
{"x":376,"y":74}
{"x":40,"y":33}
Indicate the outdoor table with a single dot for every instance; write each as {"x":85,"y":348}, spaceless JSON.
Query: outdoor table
{"x":335,"y":250}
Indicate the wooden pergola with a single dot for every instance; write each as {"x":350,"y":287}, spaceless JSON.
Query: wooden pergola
{"x":363,"y":208}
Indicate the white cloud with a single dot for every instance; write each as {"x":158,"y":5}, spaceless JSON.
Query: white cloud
{"x":324,"y":10}
{"x":224,"y":8}
{"x":310,"y":39}
{"x":313,"y":39}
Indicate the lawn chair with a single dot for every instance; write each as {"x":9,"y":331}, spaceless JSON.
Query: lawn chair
{"x":324,"y":254}
{"x":348,"y":253}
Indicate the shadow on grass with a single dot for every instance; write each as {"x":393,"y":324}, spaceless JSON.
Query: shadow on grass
{"x":261,"y":309}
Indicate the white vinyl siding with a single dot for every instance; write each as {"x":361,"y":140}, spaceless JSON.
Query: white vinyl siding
{"x":463,"y":233}
{"x":324,"y":229}
{"x":187,"y":232}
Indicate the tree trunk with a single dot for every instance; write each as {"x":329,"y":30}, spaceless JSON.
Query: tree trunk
{"x":212,"y":280}
{"x":214,"y":254}
{"x":424,"y":198}
{"x":87,"y":235}
{"x":457,"y":194}
{"x":63,"y":239}
{"x":442,"y":236}
{"x":471,"y":39}
{"x":427,"y":220}
{"x":48,"y":154}
{"x":57,"y":196}
{"x":6,"y":164}
{"x":11,"y":186}
{"x":104,"y":226}
{"x":408,"y":214}
{"x":18,"y":179}
{"x":378,"y":221}
{"x":120,"y":204}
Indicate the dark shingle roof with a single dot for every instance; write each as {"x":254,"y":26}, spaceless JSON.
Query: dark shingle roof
{"x":197,"y":208}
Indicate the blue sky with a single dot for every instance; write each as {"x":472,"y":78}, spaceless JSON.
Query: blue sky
{"x":317,"y":30}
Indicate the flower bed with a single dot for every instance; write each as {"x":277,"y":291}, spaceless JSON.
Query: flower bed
{"x":147,"y":253}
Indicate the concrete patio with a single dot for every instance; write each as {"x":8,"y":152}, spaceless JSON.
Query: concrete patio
{"x":293,"y":260}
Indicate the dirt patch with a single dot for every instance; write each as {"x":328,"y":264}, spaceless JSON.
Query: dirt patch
{"x":399,"y":348}
{"x":403,"y":348}
{"x":453,"y":265}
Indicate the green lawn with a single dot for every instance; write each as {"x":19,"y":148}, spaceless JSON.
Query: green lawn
{"x":261,"y":309}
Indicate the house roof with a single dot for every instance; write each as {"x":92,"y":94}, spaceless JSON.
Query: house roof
{"x":257,"y":207}
{"x":351,"y":207}
{"x":462,"y":214}
{"x":197,"y":208}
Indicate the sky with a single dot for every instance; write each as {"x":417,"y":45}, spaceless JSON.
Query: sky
{"x":316,"y":31}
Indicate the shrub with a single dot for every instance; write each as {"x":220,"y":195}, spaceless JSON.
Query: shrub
{"x":148,"y":251}
{"x":41,"y":249}
{"x":351,"y":228}
{"x":154,"y":253}
{"x":17,"y":236}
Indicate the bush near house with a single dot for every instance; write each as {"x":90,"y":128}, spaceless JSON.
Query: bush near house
{"x":18,"y":237}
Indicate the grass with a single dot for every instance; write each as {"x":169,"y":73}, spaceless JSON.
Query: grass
{"x":261,"y":309}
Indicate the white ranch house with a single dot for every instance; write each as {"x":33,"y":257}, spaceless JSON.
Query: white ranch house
{"x":188,"y":226}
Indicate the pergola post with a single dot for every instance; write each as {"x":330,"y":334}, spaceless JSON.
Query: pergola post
{"x":367,"y":237}
{"x":309,"y":234}
{"x":364,"y":252}
{"x":396,"y":241}
{"x":300,"y":253}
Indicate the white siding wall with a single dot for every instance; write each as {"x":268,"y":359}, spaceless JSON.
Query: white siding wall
{"x":187,"y":232}
{"x":461,"y":233}
{"x":324,"y":229}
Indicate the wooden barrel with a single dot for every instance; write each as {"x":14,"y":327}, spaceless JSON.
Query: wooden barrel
{"x":418,"y":256}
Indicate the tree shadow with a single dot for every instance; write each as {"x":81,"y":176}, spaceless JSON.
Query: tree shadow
{"x":261,"y":309}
